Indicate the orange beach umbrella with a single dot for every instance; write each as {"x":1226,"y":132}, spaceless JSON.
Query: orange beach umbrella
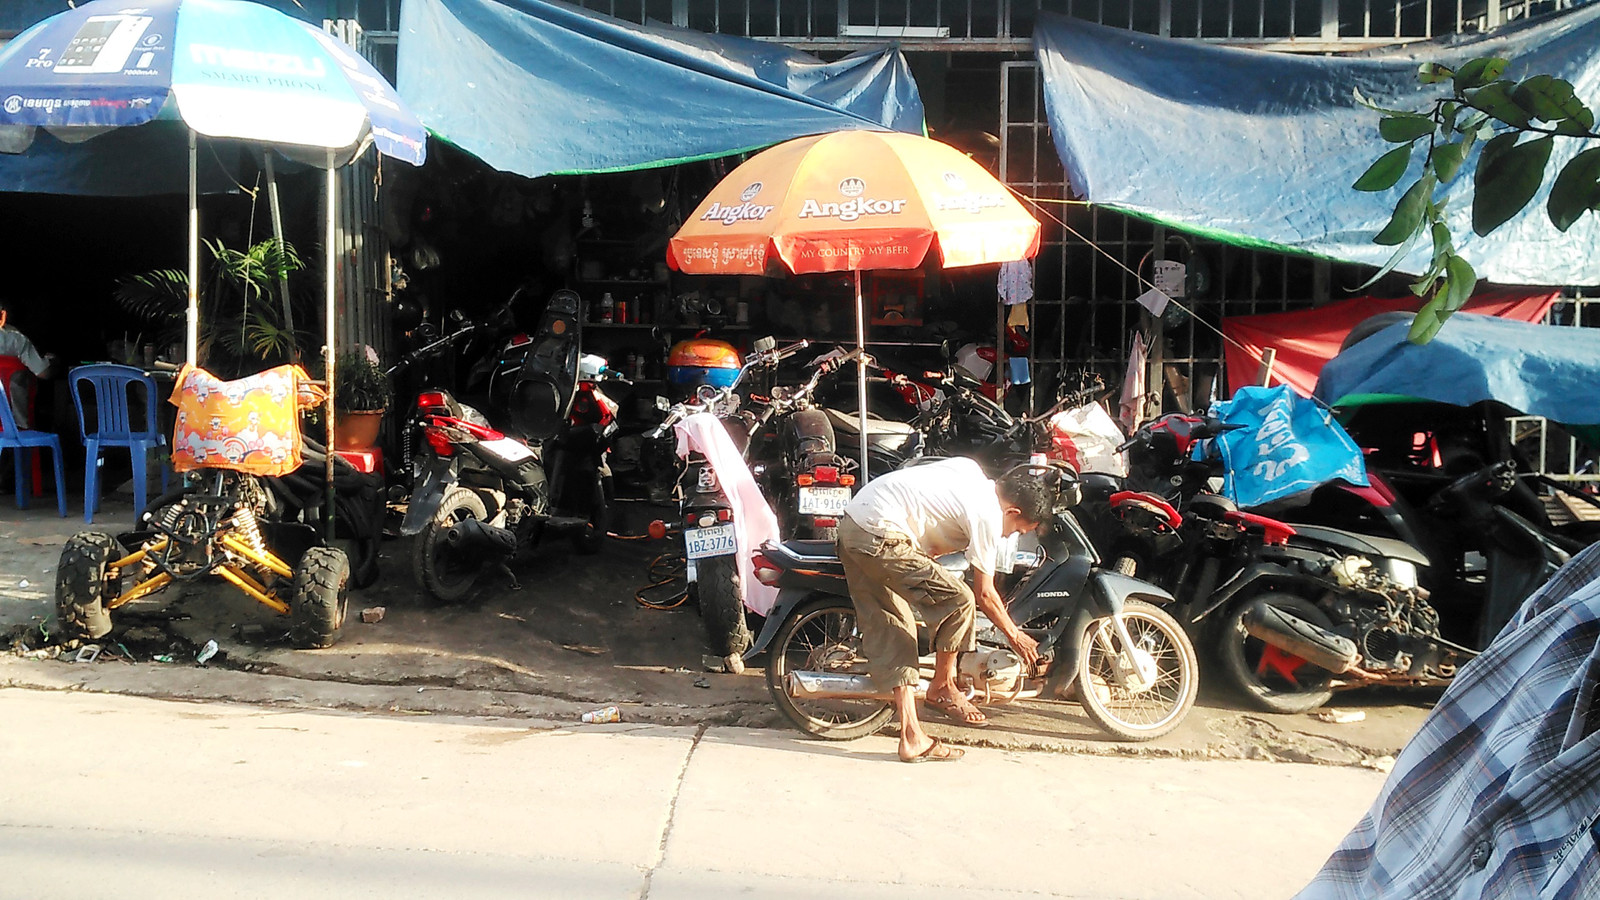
{"x":853,"y":201}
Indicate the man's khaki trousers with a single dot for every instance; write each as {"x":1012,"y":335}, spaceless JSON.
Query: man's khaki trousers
{"x":892,"y":584}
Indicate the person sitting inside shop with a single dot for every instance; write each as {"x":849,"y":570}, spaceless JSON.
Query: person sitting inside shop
{"x":889,"y":539}
{"x":20,"y":363}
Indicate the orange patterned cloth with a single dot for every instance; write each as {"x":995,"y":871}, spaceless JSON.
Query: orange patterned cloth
{"x":250,"y":425}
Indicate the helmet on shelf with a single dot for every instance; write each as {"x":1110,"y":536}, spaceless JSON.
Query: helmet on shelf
{"x":700,"y":361}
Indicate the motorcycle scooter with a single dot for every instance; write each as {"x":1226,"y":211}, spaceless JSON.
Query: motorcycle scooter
{"x":1104,"y":634}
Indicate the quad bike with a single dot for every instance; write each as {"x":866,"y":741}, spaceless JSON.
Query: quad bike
{"x":215,"y":527}
{"x":224,"y":521}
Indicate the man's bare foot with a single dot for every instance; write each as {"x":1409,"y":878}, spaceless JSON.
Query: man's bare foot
{"x":955,"y":707}
{"x":935,"y":751}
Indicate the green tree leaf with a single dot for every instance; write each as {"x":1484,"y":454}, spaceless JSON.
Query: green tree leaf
{"x":1387,"y":171}
{"x":1479,"y":72}
{"x":1576,"y":190}
{"x":1362,"y":99}
{"x":1462,"y":282}
{"x":1574,"y":128}
{"x":1447,"y":159}
{"x":1455,"y":288}
{"x":1405,"y":129}
{"x":1433,"y":73}
{"x":1495,"y":99}
{"x":1507,"y":179}
{"x":1408,"y":212}
{"x":1549,"y":99}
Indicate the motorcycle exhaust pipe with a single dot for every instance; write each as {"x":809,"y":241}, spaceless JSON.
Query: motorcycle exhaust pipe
{"x":1294,"y":635}
{"x":833,"y":686}
{"x":471,"y":535}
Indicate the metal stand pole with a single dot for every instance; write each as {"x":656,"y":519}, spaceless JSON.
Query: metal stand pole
{"x":328,"y":350}
{"x":192,"y":332}
{"x":863,"y":476}
{"x":277,"y":232}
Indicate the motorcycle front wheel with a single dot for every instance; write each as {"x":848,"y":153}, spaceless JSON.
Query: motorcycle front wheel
{"x":441,"y":570}
{"x":1114,"y":698}
{"x":823,"y":638}
{"x":1267,"y":678}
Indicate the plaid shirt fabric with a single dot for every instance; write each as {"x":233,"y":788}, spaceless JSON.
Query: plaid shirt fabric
{"x":1497,"y":795}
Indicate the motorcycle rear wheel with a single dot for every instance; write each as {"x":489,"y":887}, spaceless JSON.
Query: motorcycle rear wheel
{"x":716,"y":588}
{"x":1240,"y":658}
{"x":823,"y":638}
{"x":442,"y":572}
{"x":1140,"y":715}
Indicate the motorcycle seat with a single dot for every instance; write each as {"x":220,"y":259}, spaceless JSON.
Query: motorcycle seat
{"x":850,"y":423}
{"x":823,"y":557}
{"x":1362,"y":543}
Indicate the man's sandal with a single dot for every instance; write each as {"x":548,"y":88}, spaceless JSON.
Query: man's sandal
{"x":932,"y":754}
{"x":952,"y":711}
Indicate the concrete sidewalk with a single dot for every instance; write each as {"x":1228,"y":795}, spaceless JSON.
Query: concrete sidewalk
{"x":109,"y":795}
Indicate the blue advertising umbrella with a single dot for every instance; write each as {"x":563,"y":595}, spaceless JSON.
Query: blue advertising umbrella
{"x":226,"y":69}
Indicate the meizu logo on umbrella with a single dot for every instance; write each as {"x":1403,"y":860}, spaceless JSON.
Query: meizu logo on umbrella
{"x":256,"y":61}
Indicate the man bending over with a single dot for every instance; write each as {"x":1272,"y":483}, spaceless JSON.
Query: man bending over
{"x":889,"y":539}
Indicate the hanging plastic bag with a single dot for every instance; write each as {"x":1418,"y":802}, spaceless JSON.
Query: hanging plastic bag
{"x":1088,"y":437}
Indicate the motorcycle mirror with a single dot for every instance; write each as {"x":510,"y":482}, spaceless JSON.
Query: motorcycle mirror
{"x":765,"y":345}
{"x":663,"y":403}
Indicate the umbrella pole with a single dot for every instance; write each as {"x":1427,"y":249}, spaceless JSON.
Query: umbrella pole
{"x":191,"y":346}
{"x":277,"y":232}
{"x":332,"y":321}
{"x":861,"y":378}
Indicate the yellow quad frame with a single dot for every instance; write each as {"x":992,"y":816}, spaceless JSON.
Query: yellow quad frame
{"x":234,"y":549}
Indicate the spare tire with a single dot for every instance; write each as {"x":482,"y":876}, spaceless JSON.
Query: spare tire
{"x":1371,"y":325}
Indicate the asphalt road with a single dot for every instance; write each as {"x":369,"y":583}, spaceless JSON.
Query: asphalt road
{"x":105,"y":795}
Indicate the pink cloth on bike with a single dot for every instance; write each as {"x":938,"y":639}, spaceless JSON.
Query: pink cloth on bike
{"x":753,"y":521}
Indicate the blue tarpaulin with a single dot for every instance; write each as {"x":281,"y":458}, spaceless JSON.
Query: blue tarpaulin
{"x":1288,"y":445}
{"x":542,"y":88}
{"x":1542,"y":370}
{"x":1260,"y":148}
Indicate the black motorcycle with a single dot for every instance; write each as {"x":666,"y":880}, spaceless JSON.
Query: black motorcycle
{"x":1294,"y":611}
{"x":1104,"y":634}
{"x":705,"y":515}
{"x":481,"y":493}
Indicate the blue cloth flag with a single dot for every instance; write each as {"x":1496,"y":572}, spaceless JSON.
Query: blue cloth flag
{"x":1288,"y":445}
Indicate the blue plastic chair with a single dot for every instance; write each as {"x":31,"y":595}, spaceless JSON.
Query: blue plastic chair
{"x":23,"y":442}
{"x":113,"y":386}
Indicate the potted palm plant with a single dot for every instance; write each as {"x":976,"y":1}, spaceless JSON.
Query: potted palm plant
{"x":361,"y":396}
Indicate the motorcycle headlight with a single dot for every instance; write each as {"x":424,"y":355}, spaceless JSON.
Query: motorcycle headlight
{"x":1402,"y":573}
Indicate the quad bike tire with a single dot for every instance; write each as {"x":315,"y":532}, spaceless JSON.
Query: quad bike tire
{"x":317,"y":606}
{"x":721,"y":609}
{"x":1166,"y":703}
{"x":791,"y":648}
{"x":433,"y":566}
{"x":81,"y":585}
{"x":1238,"y":655}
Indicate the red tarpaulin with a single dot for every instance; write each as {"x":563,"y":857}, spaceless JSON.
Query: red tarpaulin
{"x":1306,"y":339}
